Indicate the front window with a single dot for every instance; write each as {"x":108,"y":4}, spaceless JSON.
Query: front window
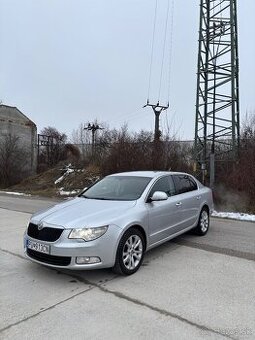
{"x":164,"y":184}
{"x":117,"y":188}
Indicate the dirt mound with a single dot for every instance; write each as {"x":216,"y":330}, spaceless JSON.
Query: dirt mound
{"x":59,"y":181}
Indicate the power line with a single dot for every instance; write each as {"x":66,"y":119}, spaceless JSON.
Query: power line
{"x":164,"y":48}
{"x":170,"y":49}
{"x":152,"y":46}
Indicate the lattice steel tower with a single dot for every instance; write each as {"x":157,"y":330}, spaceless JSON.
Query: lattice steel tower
{"x":217,"y":127}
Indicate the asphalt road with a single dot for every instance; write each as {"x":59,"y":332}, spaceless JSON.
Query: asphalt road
{"x":188,"y":288}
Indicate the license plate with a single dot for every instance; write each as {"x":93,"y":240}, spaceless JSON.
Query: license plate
{"x":37,"y":246}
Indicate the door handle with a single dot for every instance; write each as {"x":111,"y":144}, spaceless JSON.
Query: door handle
{"x":178,"y":204}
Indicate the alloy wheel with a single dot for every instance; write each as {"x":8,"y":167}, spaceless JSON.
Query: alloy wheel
{"x":132,"y":252}
{"x":204,"y":221}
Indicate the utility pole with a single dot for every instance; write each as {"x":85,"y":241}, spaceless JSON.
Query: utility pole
{"x":93,"y":128}
{"x":217,"y":129}
{"x":157,"y":109}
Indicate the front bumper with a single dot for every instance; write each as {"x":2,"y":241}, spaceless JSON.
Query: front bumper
{"x":64,"y":251}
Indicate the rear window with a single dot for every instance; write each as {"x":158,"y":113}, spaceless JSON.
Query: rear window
{"x":184,"y":183}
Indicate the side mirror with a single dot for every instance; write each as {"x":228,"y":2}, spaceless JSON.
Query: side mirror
{"x":159,"y":196}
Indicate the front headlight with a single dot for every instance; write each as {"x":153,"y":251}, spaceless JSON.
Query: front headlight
{"x":88,"y":234}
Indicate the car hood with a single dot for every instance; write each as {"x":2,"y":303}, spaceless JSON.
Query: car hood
{"x":82,"y":212}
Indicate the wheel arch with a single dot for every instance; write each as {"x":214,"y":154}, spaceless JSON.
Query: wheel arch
{"x":141,"y":229}
{"x":138,"y":227}
{"x":205,"y":206}
{"x":119,"y":267}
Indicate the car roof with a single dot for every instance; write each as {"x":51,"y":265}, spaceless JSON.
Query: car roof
{"x":151,"y":174}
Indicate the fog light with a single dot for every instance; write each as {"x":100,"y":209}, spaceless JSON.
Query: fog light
{"x":87,"y":259}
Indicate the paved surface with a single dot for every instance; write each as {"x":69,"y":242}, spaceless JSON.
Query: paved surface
{"x":189,"y":288}
{"x":25,"y":204}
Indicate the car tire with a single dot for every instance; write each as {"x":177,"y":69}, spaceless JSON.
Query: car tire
{"x":130,"y":252}
{"x":203,"y":222}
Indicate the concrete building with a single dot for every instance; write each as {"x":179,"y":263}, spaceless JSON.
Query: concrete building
{"x":14,"y":122}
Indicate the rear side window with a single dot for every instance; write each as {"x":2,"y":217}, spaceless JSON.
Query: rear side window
{"x":184,"y":183}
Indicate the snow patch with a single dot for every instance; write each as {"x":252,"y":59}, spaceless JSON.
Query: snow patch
{"x":68,"y":170}
{"x":14,"y":193}
{"x":63,"y":192}
{"x":234,"y":216}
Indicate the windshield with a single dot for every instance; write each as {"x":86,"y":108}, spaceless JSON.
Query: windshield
{"x":117,"y":188}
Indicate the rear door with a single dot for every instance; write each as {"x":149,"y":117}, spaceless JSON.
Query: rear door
{"x":189,"y":198}
{"x":164,"y":216}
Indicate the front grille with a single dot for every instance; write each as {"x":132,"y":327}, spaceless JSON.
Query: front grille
{"x":45,"y":234}
{"x":50,"y":259}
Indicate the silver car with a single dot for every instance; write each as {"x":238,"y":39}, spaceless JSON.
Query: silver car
{"x":116,"y":220}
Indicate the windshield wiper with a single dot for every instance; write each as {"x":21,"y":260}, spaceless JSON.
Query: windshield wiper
{"x":96,"y":198}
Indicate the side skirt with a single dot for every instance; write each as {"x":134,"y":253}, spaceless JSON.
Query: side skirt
{"x":169,"y":237}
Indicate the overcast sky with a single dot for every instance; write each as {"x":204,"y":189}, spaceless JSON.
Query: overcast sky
{"x":64,"y":62}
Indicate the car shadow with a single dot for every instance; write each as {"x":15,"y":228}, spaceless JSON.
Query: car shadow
{"x":102,"y":276}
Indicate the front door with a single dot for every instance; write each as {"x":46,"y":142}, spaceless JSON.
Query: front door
{"x":164,"y":216}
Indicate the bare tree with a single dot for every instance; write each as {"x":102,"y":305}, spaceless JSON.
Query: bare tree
{"x":237,"y":179}
{"x":82,"y":139}
{"x":55,"y":150}
{"x":136,"y":151}
{"x":13,"y":160}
